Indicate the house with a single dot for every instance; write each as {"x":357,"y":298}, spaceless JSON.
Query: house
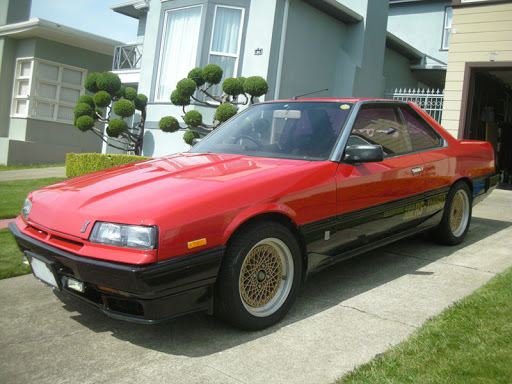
{"x":478,"y":96}
{"x":43,"y":66}
{"x":336,"y":48}
{"x":425,"y":25}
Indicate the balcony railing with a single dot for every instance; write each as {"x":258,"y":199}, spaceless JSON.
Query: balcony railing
{"x":127,"y":57}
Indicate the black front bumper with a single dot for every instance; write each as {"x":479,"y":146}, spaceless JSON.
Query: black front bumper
{"x":146,"y":293}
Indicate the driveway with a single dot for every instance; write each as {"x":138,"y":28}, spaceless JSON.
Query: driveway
{"x":343,"y":317}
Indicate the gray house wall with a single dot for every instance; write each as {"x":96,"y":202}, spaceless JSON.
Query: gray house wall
{"x":420,"y":24}
{"x":397,"y":72}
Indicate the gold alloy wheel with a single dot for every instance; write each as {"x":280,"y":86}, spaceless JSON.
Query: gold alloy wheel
{"x":459,"y":213}
{"x":266,"y":277}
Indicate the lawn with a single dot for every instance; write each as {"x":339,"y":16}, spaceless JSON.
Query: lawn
{"x":17,"y":167}
{"x":13,"y":193}
{"x":10,"y":257}
{"x":470,"y":342}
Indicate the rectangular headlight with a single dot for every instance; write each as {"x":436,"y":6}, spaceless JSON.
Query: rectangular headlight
{"x":121,"y":235}
{"x":27,"y":207}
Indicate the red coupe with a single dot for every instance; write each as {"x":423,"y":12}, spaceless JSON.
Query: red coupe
{"x":235,"y":225}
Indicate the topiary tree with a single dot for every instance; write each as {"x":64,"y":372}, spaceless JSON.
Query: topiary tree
{"x":110,"y":94}
{"x":236,"y":92}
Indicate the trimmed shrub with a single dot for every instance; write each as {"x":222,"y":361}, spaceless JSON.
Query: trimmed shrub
{"x":87,"y":100}
{"x":140,"y":101}
{"x":116,"y":127}
{"x":197,"y":75}
{"x":121,"y":93}
{"x":84,"y":123}
{"x":168,"y":124}
{"x":193,"y":118}
{"x":98,"y":112}
{"x":212,"y":73}
{"x":255,"y":86}
{"x":102,"y":99}
{"x":241,"y":80}
{"x":124,"y":108}
{"x":190,"y":135}
{"x":130,"y":93}
{"x":224,"y":112}
{"x":109,"y":82}
{"x":178,"y":99}
{"x":83,"y":109}
{"x":78,"y":164}
{"x":186,"y":87}
{"x":90,"y":82}
{"x":232,"y":86}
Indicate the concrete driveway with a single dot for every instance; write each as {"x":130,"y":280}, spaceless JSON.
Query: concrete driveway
{"x":342,"y":318}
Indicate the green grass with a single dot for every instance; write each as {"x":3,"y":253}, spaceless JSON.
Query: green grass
{"x":470,"y":342}
{"x":10,"y":256}
{"x":13,"y":193}
{"x":17,"y":167}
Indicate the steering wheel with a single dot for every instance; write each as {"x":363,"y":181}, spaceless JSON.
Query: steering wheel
{"x":258,"y":144}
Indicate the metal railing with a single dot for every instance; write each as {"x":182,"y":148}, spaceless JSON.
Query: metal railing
{"x":127,"y":57}
{"x":431,"y":100}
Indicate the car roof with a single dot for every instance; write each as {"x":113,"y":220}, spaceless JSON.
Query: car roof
{"x":333,"y":99}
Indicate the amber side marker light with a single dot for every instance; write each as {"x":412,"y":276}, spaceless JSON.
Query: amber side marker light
{"x":106,"y":289}
{"x":196,"y":243}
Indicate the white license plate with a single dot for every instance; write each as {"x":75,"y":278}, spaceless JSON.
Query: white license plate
{"x":43,"y":271}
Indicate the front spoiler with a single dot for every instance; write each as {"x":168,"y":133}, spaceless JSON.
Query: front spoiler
{"x":146,"y":293}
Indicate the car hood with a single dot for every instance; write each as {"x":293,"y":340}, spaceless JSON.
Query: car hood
{"x":140,"y":193}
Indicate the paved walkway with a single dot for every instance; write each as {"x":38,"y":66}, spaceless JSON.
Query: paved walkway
{"x":342,"y":318}
{"x":33,"y":173}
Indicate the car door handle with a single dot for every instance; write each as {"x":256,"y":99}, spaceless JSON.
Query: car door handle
{"x":417,"y":170}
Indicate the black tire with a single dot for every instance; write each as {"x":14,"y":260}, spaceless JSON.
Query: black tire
{"x":456,"y":217}
{"x":250,"y":294}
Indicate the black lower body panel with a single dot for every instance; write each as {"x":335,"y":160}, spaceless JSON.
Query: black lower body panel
{"x":141,"y":293}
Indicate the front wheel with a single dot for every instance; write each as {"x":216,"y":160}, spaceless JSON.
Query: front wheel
{"x":259,"y":277}
{"x":457,"y":216}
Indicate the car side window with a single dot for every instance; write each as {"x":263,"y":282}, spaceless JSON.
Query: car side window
{"x":381,"y":125}
{"x":421,"y":133}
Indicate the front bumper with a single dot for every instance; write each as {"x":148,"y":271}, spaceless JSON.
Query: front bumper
{"x":141,"y":293}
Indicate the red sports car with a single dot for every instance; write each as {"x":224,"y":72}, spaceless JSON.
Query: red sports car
{"x":235,"y":225}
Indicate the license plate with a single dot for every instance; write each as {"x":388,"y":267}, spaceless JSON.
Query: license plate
{"x":43,"y":271}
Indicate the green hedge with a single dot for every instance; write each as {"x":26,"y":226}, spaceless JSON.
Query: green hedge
{"x":78,"y":164}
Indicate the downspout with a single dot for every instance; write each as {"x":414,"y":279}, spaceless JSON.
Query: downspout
{"x":281,"y":49}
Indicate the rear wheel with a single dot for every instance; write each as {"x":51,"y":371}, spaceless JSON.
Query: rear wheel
{"x":457,"y":216}
{"x":259,"y":276}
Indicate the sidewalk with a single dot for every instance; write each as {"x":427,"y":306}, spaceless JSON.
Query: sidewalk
{"x":25,"y":174}
{"x":33,"y":173}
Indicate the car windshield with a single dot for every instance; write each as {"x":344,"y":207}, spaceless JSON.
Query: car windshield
{"x":289,"y":130}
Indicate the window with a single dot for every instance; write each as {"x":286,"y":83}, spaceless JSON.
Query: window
{"x":381,"y":126}
{"x":179,"y":48}
{"x":421,"y":134}
{"x":196,"y":33}
{"x":447,"y":28}
{"x":46,"y":90}
{"x":226,"y":39}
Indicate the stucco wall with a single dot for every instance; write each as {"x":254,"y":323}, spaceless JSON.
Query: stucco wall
{"x":476,"y":33}
{"x":7,"y":59}
{"x":397,"y":71}
{"x":420,"y":23}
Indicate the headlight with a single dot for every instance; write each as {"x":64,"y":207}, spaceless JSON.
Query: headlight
{"x":25,"y":210}
{"x":121,"y":235}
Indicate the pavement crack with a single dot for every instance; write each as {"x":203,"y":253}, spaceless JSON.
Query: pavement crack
{"x":224,"y":373}
{"x":443,"y":262}
{"x":378,"y":317}
{"x":53,"y":337}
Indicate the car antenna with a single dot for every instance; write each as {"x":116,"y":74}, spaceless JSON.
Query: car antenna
{"x":310,"y":93}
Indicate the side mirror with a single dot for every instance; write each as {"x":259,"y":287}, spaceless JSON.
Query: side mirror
{"x":195,"y":141}
{"x":355,"y":154}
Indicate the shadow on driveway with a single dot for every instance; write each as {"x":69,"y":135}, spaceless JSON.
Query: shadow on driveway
{"x":200,"y":335}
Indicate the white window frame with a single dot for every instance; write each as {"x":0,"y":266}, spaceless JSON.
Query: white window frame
{"x":33,"y":82}
{"x":446,"y":28}
{"x":162,"y":45}
{"x":237,"y":55}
